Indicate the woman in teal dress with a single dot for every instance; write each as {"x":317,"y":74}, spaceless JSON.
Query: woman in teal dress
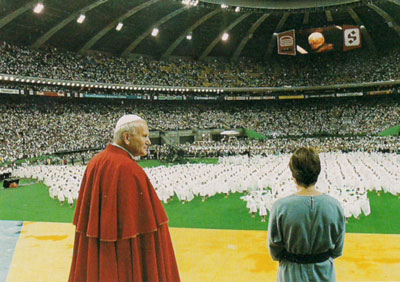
{"x":306,"y":230}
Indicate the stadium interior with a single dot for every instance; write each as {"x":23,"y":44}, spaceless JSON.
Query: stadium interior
{"x":229,"y":89}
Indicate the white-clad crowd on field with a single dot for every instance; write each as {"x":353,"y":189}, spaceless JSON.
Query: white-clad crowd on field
{"x":345,"y":176}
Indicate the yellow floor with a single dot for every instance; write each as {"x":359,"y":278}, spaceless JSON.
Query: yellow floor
{"x":44,"y":250}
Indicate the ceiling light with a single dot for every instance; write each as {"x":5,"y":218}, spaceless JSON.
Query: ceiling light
{"x":119,"y":26}
{"x":155,"y":31}
{"x":81,"y":18}
{"x":38,"y":8}
{"x":225,"y":36}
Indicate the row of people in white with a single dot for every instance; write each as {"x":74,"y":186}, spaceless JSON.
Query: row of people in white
{"x":346,"y":177}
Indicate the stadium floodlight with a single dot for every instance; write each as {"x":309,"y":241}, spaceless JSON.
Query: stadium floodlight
{"x":39,"y":81}
{"x":54,"y":82}
{"x":68,"y":84}
{"x":225,"y":36}
{"x":17,"y":79}
{"x":33,"y":81}
{"x":58,"y":83}
{"x":12,"y":78}
{"x":28,"y":80}
{"x":237,"y":9}
{"x":73,"y":84}
{"x":190,"y":2}
{"x":135,"y":88}
{"x":63,"y":83}
{"x":38,"y":8}
{"x":154,"y":32}
{"x":23,"y":80}
{"x":119,"y":26}
{"x":6,"y":78}
{"x":81,"y":18}
{"x":224,"y":6}
{"x":189,"y":36}
{"x":1,"y":77}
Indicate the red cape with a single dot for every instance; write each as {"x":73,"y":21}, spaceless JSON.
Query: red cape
{"x":121,"y":226}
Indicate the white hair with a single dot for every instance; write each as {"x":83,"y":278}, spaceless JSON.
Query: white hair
{"x":130,"y":127}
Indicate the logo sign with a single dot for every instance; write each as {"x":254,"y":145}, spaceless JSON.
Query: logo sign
{"x":351,"y":37}
{"x":287,"y":43}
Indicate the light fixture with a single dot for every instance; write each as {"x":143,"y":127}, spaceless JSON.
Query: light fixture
{"x":224,"y":6}
{"x":81,"y":18}
{"x":155,"y":31}
{"x":38,"y":8}
{"x":119,"y":26}
{"x":189,"y":36}
{"x":225,"y":36}
{"x":237,"y":9}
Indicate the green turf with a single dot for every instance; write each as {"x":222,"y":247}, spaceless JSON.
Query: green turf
{"x":33,"y":203}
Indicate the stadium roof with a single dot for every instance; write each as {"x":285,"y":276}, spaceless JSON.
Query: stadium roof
{"x":251,"y":27}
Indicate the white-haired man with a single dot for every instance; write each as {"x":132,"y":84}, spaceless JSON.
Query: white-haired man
{"x":121,"y":226}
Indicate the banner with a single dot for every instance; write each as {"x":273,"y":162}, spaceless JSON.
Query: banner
{"x":349,"y":94}
{"x":321,"y":95}
{"x":380,"y":92}
{"x":287,"y":43}
{"x":261,"y":97}
{"x":291,"y":97}
{"x":9,"y":91}
{"x":351,"y":37}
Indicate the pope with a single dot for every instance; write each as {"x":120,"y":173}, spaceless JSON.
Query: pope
{"x":121,"y":226}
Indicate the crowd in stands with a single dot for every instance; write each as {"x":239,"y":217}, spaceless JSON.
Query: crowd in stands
{"x":36,"y":126}
{"x":252,"y":147}
{"x":323,"y":69}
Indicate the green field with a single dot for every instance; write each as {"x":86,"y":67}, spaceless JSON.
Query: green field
{"x":33,"y":203}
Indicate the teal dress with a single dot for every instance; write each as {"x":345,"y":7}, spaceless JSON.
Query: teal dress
{"x":306,"y":225}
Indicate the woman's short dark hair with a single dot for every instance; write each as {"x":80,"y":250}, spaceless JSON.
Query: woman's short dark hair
{"x":305,"y":166}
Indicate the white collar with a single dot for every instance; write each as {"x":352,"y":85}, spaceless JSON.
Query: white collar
{"x":116,"y":145}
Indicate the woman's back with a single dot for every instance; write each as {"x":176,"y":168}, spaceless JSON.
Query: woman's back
{"x":310,"y":226}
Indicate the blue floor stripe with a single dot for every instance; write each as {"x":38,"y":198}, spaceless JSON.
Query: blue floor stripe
{"x":9,"y":235}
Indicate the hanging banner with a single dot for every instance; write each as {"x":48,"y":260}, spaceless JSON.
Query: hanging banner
{"x":287,"y":43}
{"x":351,"y":37}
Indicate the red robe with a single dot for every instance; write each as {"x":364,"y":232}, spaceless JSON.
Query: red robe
{"x":121,"y":226}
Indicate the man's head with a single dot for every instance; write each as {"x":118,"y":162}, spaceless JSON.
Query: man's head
{"x":305,"y":166}
{"x":132,"y":133}
{"x":316,"y":40}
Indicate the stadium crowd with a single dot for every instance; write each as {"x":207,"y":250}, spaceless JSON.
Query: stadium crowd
{"x":252,"y":147}
{"x":35,"y":126}
{"x":324,"y":69}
